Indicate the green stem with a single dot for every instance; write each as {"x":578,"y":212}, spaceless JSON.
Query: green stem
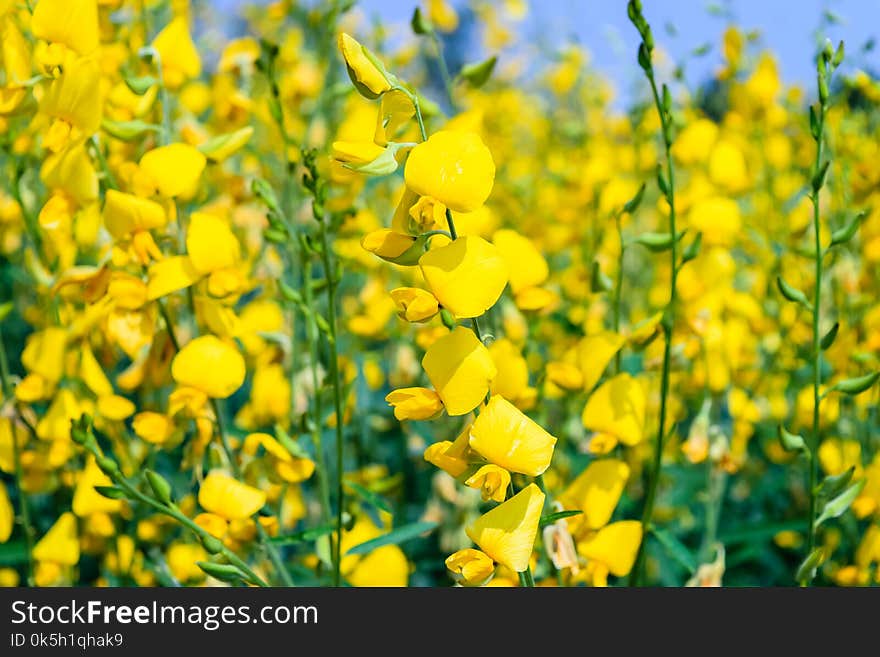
{"x":815,"y":353}
{"x":332,"y":283}
{"x":618,"y":286}
{"x":24,"y":508}
{"x":444,"y":70}
{"x":668,"y":324}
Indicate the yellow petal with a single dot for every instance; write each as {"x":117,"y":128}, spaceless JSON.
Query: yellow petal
{"x":617,"y":407}
{"x":171,"y":274}
{"x":492,"y":482}
{"x":470,"y":567}
{"x":528,"y":268}
{"x":7,"y":515}
{"x":596,"y":491}
{"x":155,"y":428}
{"x":460,"y":369}
{"x":507,"y":532}
{"x":414,"y":304}
{"x":210,"y":243}
{"x":356,"y":152}
{"x":92,"y":374}
{"x":73,"y":23}
{"x":467,"y":275}
{"x":594,"y":352}
{"x":228,"y":497}
{"x":61,"y":543}
{"x":385,"y":566}
{"x":175,"y":169}
{"x":55,"y":423}
{"x":126,"y":213}
{"x":505,"y":436}
{"x":180,"y":59}
{"x":453,"y":167}
{"x":211,"y":365}
{"x":86,"y":500}
{"x":414,"y":403}
{"x":614,"y":546}
{"x":115,"y":407}
{"x":44,"y":353}
{"x":512,"y":379}
{"x":363,"y":67}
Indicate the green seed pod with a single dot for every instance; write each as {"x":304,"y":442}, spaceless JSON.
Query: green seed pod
{"x":790,"y":442}
{"x":161,"y":487}
{"x":858,"y":384}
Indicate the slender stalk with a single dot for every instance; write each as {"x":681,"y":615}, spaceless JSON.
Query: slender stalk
{"x":332,"y":284}
{"x":618,"y":286}
{"x":662,"y":105}
{"x":444,"y":70}
{"x":24,"y":506}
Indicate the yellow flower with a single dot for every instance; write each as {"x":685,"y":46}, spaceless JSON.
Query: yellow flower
{"x":61,"y":543}
{"x":460,"y":369}
{"x":426,"y":214}
{"x":366,"y":72}
{"x":86,"y":500}
{"x":229,"y":498}
{"x":470,"y":567}
{"x":596,"y":491}
{"x":617,"y":407}
{"x":44,"y":353}
{"x":114,"y":407}
{"x":527,"y":266}
{"x":155,"y":428}
{"x":179,"y":58}
{"x":507,"y":532}
{"x":467,"y":275}
{"x":210,"y":365}
{"x":210,"y":243}
{"x":615,"y":546}
{"x":125,"y":214}
{"x":171,"y":274}
{"x":594,"y":352}
{"x":7,"y":515}
{"x":492,"y":482}
{"x":512,"y":380}
{"x":174,"y":169}
{"x":453,"y":167}
{"x":73,"y":103}
{"x":414,"y":304}
{"x":16,"y":57}
{"x":356,"y":152}
{"x":73,"y":23}
{"x":414,"y":403}
{"x":391,"y":246}
{"x":505,"y":436}
{"x":451,"y":457}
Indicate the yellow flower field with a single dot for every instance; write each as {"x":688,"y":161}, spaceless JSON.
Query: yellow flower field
{"x":313,"y":306}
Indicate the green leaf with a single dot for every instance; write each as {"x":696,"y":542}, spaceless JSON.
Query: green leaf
{"x":693,"y":249}
{"x":828,"y":339}
{"x":394,"y":537}
{"x":479,"y":73}
{"x":858,"y":384}
{"x":369,"y":496}
{"x":833,"y":485}
{"x":225,"y":572}
{"x":140,"y":85}
{"x":599,"y":281}
{"x":791,"y":442}
{"x":792,"y":293}
{"x":128,"y":130}
{"x":420,"y":24}
{"x":5,"y":310}
{"x":677,"y":550}
{"x":841,"y":503}
{"x":762,"y":532}
{"x":550,"y":518}
{"x":847,"y":232}
{"x":111,"y":492}
{"x":633,"y":204}
{"x":304,"y":536}
{"x":656,"y":242}
{"x":807,"y":570}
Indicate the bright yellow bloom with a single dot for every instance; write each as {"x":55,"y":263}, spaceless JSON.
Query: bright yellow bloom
{"x":505,"y":436}
{"x":366,"y":72}
{"x":73,"y":104}
{"x":453,"y":167}
{"x":155,"y":428}
{"x":356,"y":152}
{"x":414,"y":304}
{"x":7,"y":515}
{"x":86,"y":500}
{"x":174,"y":169}
{"x":210,"y":243}
{"x":596,"y":491}
{"x":507,"y":532}
{"x":211,"y":365}
{"x":492,"y":482}
{"x":594,"y":352}
{"x":44,"y":353}
{"x":527,"y":266}
{"x":125,"y":214}
{"x":617,"y":407}
{"x":470,"y":567}
{"x":451,"y":457}
{"x":179,"y":57}
{"x":460,"y":369}
{"x":467,"y":276}
{"x":414,"y":403}
{"x":615,"y":546}
{"x":171,"y":274}
{"x":61,"y":543}
{"x":73,"y":23}
{"x":229,"y":498}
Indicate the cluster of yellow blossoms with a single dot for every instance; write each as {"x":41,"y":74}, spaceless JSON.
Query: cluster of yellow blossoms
{"x":215,"y":271}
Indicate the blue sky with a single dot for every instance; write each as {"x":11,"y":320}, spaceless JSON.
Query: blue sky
{"x":788,"y":27}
